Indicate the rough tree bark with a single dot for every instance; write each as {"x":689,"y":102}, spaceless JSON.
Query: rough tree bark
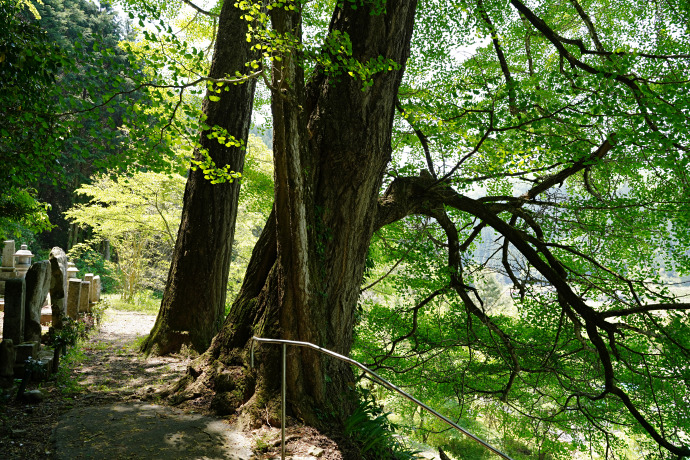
{"x":331,"y":146}
{"x":201,"y":257}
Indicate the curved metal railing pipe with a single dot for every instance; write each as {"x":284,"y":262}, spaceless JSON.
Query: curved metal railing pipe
{"x":380,"y":380}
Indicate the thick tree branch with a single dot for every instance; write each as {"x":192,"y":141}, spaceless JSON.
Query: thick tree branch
{"x":510,"y":83}
{"x":578,"y":166}
{"x":646,"y":309}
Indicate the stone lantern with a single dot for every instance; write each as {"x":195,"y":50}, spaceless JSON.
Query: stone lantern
{"x":71,"y":270}
{"x":22,"y":261}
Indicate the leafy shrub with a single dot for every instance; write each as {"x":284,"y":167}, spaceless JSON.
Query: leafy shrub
{"x":88,"y":260}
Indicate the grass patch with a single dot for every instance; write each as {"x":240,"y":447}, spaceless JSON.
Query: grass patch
{"x":146,"y":301}
{"x":64,"y":378}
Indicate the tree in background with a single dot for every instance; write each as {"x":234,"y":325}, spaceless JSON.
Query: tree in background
{"x":97,"y":70}
{"x":139,"y":215}
{"x":29,"y":63}
{"x":203,"y":249}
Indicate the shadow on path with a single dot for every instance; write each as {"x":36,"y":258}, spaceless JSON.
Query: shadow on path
{"x":140,"y":430}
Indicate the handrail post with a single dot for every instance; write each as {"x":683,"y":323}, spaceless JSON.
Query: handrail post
{"x":282,"y":409}
{"x":378,"y":379}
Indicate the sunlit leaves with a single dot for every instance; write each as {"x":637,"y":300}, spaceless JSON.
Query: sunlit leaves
{"x":139,"y":215}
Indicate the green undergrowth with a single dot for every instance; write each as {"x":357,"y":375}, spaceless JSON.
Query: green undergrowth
{"x":70,"y":339}
{"x":64,"y":379}
{"x":145,"y":301}
{"x":370,"y":428}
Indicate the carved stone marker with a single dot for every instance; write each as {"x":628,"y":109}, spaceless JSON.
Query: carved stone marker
{"x":13,"y":325}
{"x":58,"y":285}
{"x":37,"y":286}
{"x":73,"y":295}
{"x":8,"y":254}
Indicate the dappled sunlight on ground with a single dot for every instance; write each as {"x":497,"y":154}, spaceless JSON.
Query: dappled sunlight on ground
{"x":113,"y":364}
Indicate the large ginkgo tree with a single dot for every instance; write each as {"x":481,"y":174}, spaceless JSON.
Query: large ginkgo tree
{"x":561,"y":127}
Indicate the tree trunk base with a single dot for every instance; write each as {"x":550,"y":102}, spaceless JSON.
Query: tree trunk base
{"x":209,"y":386}
{"x":164,"y":342}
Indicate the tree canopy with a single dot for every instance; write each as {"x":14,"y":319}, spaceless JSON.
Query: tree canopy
{"x":490,"y":196}
{"x":559,"y":127}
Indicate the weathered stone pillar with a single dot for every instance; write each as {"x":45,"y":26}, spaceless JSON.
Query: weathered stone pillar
{"x":13,"y":325}
{"x":8,"y":254}
{"x":37,"y":282}
{"x":96,"y":289}
{"x":58,"y":285}
{"x":73,"y":295}
{"x":7,"y":269}
{"x":84,"y":306}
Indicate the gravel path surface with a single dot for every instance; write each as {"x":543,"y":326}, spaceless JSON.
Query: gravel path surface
{"x":108,"y":409}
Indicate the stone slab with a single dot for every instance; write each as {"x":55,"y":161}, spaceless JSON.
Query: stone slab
{"x":13,"y":323}
{"x":26,"y":349}
{"x":7,"y":358}
{"x":8,"y":251}
{"x":37,"y":287}
{"x":73,"y":295}
{"x":58,"y":285}
{"x":96,"y":289}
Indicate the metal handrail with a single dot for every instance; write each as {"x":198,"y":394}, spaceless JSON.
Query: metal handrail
{"x":377,"y":378}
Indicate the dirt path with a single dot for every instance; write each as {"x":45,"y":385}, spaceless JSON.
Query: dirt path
{"x":108,"y":409}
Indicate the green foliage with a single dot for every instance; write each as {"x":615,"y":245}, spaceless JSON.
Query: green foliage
{"x":89,"y":260}
{"x":371,"y":429}
{"x":254,"y":207}
{"x":72,"y":331}
{"x":29,"y":63}
{"x":145,"y":301}
{"x":64,"y":380}
{"x":139,"y":215}
{"x":21,"y":211}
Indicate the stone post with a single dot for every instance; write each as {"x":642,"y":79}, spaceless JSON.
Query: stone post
{"x":8,"y":254}
{"x":7,"y":269}
{"x":96,"y":289}
{"x":84,"y":306}
{"x":73,"y":295}
{"x":92,"y":287}
{"x":13,"y":325}
{"x":7,"y":357}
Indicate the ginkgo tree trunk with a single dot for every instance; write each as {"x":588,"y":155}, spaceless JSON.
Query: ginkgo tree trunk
{"x":332,"y":143}
{"x":193,"y":304}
